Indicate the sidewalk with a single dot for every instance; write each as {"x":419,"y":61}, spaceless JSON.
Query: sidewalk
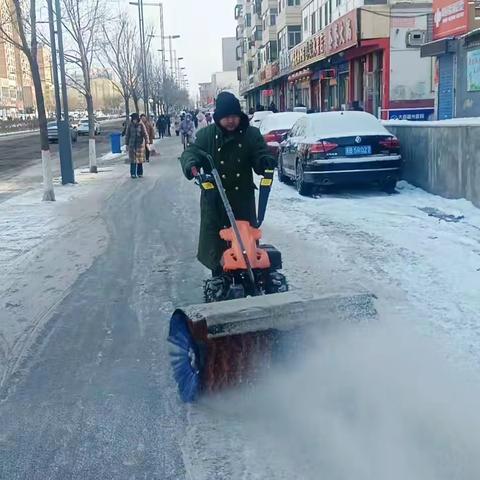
{"x":31,"y":177}
{"x":44,"y":247}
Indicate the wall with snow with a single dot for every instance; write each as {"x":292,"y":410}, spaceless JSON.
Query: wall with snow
{"x":441,"y":158}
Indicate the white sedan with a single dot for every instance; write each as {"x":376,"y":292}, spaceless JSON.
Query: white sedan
{"x":83,"y":127}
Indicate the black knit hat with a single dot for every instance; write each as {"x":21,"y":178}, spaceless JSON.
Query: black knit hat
{"x":227,"y":104}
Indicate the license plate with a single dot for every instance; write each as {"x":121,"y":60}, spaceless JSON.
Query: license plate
{"x":359,"y":150}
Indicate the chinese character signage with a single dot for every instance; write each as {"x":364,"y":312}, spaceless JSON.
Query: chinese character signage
{"x":339,"y":35}
{"x":450,"y":18}
{"x":473,"y":70}
{"x":417,"y":114}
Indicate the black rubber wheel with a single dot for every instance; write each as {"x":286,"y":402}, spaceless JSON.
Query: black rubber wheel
{"x":276,"y":283}
{"x":390,"y":186}
{"x":281,"y":174}
{"x":302,"y":188}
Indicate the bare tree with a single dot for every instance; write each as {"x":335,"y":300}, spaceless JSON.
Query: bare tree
{"x":172,"y":95}
{"x":20,"y":30}
{"x":83,"y":22}
{"x":117,"y":54}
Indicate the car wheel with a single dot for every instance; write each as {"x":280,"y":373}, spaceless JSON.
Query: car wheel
{"x":302,"y":187}
{"x":390,"y":186}
{"x":281,"y":174}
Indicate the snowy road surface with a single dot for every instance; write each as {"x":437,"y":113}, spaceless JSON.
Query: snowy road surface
{"x":86,"y":288}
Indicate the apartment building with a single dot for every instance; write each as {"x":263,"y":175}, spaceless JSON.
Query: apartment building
{"x":9,"y":79}
{"x":339,"y":54}
{"x":17,"y":94}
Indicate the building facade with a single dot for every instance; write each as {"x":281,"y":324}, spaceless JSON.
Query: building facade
{"x":17,"y":94}
{"x":229,"y":62}
{"x":336,"y":54}
{"x":455,"y":48}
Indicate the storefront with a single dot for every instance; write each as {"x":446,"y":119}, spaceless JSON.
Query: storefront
{"x":313,"y":82}
{"x":299,"y":87}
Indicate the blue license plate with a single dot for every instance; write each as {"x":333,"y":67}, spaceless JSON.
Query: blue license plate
{"x":359,"y":150}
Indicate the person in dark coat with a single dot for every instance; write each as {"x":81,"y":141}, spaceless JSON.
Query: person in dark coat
{"x":161,"y":125}
{"x":168,"y":125}
{"x":237,"y":150}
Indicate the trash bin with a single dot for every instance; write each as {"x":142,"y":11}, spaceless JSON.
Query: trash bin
{"x":116,"y":141}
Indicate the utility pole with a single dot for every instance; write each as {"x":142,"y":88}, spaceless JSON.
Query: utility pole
{"x":162,"y":36}
{"x":63,"y":120}
{"x":141,"y":27}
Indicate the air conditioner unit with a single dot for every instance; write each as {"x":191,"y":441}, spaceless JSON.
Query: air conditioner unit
{"x":416,"y":38}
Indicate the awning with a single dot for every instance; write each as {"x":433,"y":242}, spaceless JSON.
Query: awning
{"x":438,"y":47}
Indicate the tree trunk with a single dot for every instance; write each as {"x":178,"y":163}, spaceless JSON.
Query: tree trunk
{"x":126,"y":99}
{"x":48,"y":191}
{"x":92,"y":153}
{"x":135,"y":102}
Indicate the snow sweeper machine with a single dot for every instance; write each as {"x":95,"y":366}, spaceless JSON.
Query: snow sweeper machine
{"x":249,"y":310}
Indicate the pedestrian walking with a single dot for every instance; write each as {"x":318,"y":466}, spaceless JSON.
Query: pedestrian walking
{"x":135,"y":140}
{"x":201,"y":121}
{"x":161,"y":125}
{"x":177,"y":123}
{"x":150,"y":135}
{"x":168,"y":121}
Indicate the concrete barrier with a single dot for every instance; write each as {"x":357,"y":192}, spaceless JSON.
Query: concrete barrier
{"x":441,"y":158}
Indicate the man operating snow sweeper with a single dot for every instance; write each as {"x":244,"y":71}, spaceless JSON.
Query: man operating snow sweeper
{"x":237,"y":150}
{"x":248,"y":314}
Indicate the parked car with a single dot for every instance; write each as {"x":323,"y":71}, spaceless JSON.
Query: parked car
{"x":53,"y":132}
{"x":83,"y":127}
{"x":258,"y":117}
{"x":339,"y":148}
{"x":275,"y":127}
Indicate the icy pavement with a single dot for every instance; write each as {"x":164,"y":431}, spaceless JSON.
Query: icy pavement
{"x":44,"y":247}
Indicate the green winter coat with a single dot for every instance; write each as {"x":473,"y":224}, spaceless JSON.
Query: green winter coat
{"x":235,"y":156}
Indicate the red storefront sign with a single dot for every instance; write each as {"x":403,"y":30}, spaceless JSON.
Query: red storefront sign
{"x":267,"y":93}
{"x":339,"y":35}
{"x":450,"y":17}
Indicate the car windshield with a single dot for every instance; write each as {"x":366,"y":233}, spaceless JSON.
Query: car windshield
{"x":333,"y":124}
{"x":279,"y":121}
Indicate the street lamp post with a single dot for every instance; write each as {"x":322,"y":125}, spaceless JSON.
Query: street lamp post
{"x":170,"y":38}
{"x":141,"y":26}
{"x":63,"y":120}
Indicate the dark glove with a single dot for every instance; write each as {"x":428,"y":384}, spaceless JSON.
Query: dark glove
{"x":270,"y":163}
{"x":189,"y":166}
